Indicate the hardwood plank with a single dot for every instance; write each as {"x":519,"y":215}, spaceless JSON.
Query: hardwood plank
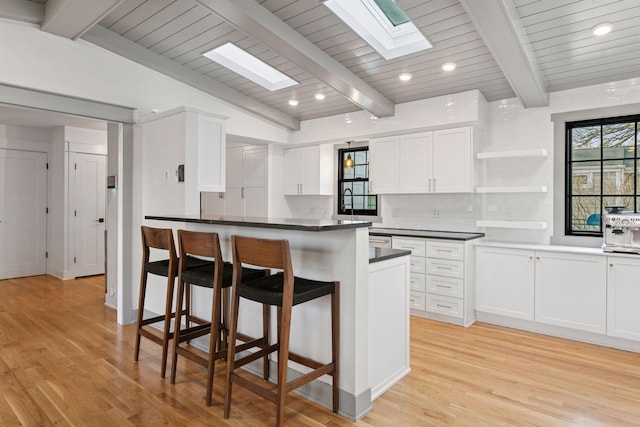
{"x":65,"y":361}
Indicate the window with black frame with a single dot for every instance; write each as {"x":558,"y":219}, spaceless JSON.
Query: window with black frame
{"x":602,"y":170}
{"x":353,"y":183}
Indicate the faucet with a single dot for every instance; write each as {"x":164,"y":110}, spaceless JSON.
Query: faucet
{"x":343,"y":194}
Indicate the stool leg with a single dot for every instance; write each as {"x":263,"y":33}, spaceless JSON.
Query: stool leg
{"x":266,"y":325}
{"x":167,"y":324}
{"x":143,"y":290}
{"x":214,"y":341}
{"x":335,"y":345}
{"x":283,"y":357}
{"x":231,"y":350}
{"x":176,"y":331}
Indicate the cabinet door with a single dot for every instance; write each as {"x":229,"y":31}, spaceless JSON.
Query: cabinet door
{"x":571,"y":290}
{"x":292,"y":171}
{"x":623,"y":298}
{"x":233,"y":202}
{"x":505,"y":282}
{"x":211,"y":153}
{"x":212,"y":204}
{"x":416,"y":163}
{"x":310,"y":183}
{"x":384,"y":155}
{"x":452,"y":152}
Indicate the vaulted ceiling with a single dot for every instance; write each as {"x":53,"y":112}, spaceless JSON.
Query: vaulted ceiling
{"x":504,"y":48}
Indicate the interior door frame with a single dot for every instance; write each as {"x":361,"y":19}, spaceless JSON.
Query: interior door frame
{"x":120,"y":121}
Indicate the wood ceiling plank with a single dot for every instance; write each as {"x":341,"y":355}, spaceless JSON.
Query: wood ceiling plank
{"x":72,"y":18}
{"x":172,"y":27}
{"x":159,"y":19}
{"x":139,"y":14}
{"x":119,"y":12}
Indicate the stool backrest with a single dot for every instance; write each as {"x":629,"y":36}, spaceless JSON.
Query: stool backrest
{"x":261,"y":252}
{"x":157,"y":238}
{"x":199,"y":244}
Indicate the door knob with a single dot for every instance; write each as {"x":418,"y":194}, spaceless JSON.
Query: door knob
{"x":100,"y":220}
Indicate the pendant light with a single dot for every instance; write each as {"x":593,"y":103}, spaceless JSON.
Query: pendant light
{"x":348,"y":162}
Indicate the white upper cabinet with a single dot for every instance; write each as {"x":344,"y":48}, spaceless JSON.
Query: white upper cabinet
{"x":426,"y":162}
{"x":416,"y":162}
{"x":309,"y":170}
{"x":384,"y":162}
{"x":452,"y":160}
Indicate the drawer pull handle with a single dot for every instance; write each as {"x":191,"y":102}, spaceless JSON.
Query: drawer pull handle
{"x":448,"y":307}
{"x":445,"y":250}
{"x":444,"y":286}
{"x":443,"y":268}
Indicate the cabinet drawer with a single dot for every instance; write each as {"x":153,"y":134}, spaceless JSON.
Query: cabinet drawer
{"x":444,"y":305}
{"x":416,"y":300}
{"x":447,"y":268}
{"x":446,"y":286}
{"x":445,"y":250}
{"x":418,"y":264}
{"x":416,"y":246}
{"x":417,"y":282}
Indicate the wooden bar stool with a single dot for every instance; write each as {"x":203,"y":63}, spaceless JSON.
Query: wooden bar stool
{"x":216,"y":275}
{"x":160,"y":239}
{"x":283,"y":290}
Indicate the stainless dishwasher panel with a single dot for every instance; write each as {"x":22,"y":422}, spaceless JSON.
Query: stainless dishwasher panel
{"x":380,"y":241}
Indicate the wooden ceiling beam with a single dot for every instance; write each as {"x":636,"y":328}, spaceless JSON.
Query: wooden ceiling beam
{"x":500,"y":28}
{"x":73,"y":18}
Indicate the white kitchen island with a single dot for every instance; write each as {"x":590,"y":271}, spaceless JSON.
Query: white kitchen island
{"x":374,"y":353}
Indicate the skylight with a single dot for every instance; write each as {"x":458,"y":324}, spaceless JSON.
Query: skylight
{"x":382,"y":24}
{"x":238,"y":60}
{"x":391,"y":10}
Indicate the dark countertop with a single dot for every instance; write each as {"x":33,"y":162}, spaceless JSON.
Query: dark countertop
{"x":280,"y":223}
{"x":447,"y":235}
{"x":381,"y":254}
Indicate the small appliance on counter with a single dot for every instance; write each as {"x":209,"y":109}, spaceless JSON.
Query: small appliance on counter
{"x":621,"y":232}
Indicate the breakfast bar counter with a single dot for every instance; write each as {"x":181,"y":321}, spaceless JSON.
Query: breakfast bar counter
{"x":329,"y":250}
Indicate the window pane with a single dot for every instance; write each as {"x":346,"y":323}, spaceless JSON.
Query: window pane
{"x":617,"y":139}
{"x":395,"y":15}
{"x":585,"y":214}
{"x":360,"y":157}
{"x":585,"y":143}
{"x":371,"y":202}
{"x":618,"y":177}
{"x":358,"y":188}
{"x":626,"y":202}
{"x":360,"y":171}
{"x":585,"y":178}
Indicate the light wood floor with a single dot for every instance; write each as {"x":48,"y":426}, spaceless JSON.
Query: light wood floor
{"x":65,"y":361}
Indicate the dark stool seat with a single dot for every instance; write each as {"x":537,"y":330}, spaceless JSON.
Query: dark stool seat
{"x":216,"y":275}
{"x":269,"y":290}
{"x":161,"y":268}
{"x":203,"y":275}
{"x":284,"y":291}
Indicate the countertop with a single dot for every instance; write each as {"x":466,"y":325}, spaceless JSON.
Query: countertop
{"x":279,"y":223}
{"x":447,"y":235}
{"x":381,"y":254}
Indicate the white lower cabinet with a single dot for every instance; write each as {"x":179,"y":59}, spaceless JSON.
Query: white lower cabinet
{"x":439,"y":281}
{"x":505,"y":282}
{"x":571,"y":290}
{"x":623,"y":298}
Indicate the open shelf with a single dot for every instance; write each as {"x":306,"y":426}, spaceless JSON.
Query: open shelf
{"x":521,"y":189}
{"x":525,"y":225}
{"x":510,"y":154}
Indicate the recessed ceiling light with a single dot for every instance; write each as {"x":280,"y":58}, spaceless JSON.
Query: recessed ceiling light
{"x":373,"y":117}
{"x":449,"y":66}
{"x":248,"y":66}
{"x":320,"y":96}
{"x":293,"y":102}
{"x":602,"y":29}
{"x":405,"y":77}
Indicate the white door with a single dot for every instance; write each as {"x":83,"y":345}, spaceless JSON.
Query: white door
{"x":87,"y":182}
{"x":23,"y":218}
{"x":255,"y":182}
